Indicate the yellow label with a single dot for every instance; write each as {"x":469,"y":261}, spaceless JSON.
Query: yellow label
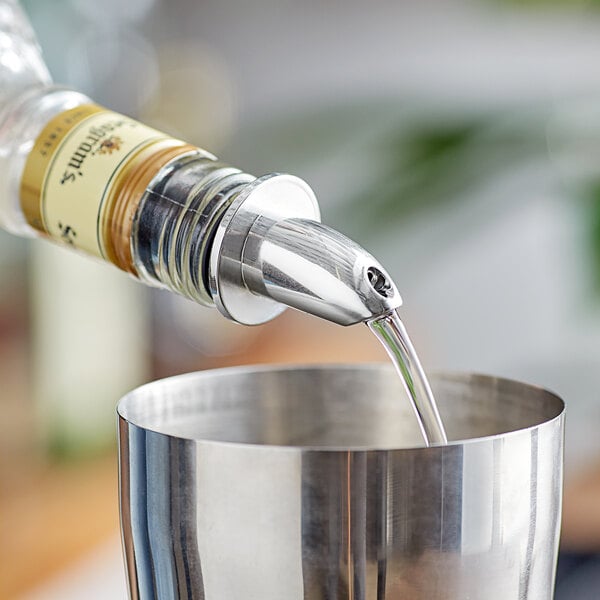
{"x":72,"y":170}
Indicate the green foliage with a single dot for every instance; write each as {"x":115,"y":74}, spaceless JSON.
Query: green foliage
{"x":592,"y":210}
{"x":436,"y":163}
{"x":64,"y":445}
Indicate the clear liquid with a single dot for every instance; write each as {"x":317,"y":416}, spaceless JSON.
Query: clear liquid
{"x":390,"y":331}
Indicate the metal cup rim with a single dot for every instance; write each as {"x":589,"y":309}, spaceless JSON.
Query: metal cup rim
{"x":455,"y":376}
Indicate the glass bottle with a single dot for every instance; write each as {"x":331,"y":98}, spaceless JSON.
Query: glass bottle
{"x":166,"y":212}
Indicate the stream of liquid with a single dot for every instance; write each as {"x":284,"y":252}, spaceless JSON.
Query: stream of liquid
{"x":390,"y":331}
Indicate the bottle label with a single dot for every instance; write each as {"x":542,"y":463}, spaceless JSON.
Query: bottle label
{"x":76,"y":165}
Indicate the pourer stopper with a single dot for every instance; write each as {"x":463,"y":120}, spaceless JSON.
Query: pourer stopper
{"x":271,"y":251}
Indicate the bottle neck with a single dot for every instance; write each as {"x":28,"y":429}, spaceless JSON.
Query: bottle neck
{"x":24,"y":67}
{"x":21,"y":122}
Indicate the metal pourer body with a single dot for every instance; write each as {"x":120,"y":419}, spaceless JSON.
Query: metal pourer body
{"x":271,"y":251}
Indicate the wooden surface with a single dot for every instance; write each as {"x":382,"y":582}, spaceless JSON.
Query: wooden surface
{"x":50,"y":513}
{"x":50,"y":516}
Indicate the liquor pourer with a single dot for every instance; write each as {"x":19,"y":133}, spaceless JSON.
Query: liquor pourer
{"x":270,"y":251}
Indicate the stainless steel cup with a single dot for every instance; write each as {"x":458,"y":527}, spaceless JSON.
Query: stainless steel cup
{"x":312,"y":483}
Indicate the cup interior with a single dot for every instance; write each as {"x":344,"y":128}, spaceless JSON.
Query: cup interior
{"x":330,"y":407}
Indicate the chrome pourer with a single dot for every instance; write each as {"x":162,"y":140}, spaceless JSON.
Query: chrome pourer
{"x":270,"y":251}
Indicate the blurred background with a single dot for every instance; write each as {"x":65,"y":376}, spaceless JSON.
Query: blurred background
{"x":459,"y":141}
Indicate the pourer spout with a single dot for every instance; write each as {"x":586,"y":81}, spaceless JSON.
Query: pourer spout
{"x":313,"y":268}
{"x":268,"y":255}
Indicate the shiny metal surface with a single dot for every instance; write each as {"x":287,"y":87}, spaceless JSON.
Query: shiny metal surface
{"x":274,"y":196}
{"x":289,"y":484}
{"x":270,"y":251}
